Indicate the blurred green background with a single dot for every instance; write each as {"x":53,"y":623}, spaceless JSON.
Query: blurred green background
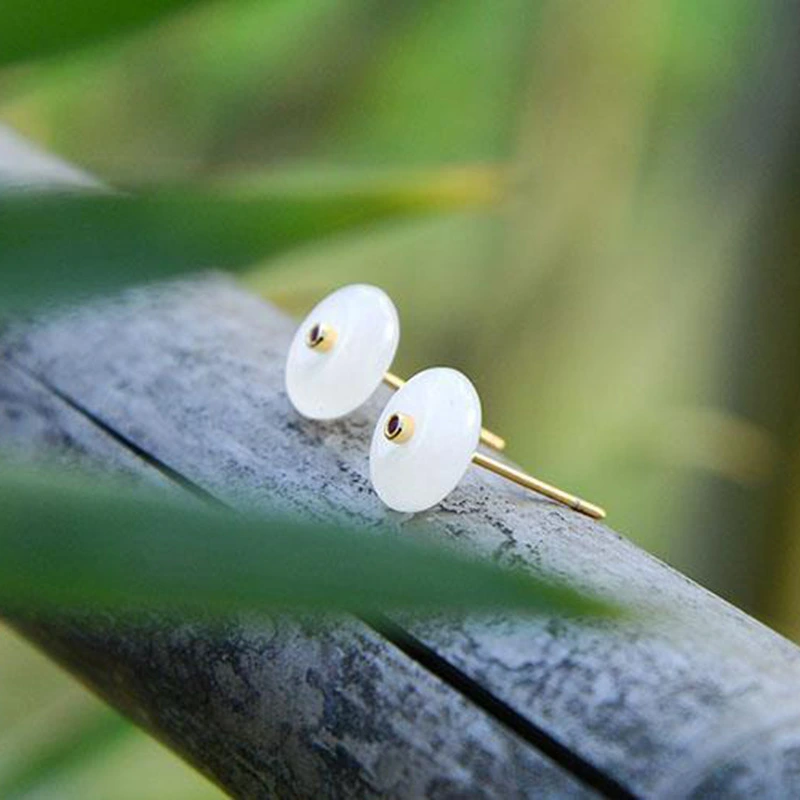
{"x":628,"y":306}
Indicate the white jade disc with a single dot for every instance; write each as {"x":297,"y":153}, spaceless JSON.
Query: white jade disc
{"x":327,"y":385}
{"x":422,"y":471}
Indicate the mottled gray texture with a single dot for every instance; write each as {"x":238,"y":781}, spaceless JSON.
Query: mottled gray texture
{"x":25,"y":167}
{"x":271,"y":708}
{"x":37,"y":426}
{"x":192,"y":374}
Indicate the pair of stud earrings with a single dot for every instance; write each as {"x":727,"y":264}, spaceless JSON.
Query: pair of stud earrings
{"x":428,"y":434}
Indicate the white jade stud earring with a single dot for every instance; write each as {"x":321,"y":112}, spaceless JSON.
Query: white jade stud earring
{"x":343,"y":350}
{"x":426,"y":439}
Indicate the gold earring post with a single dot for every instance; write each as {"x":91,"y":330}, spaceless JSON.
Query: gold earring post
{"x":487,"y":437}
{"x":529,"y":482}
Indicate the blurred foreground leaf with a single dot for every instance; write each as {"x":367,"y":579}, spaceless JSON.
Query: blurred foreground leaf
{"x":36,"y":28}
{"x":68,"y":544}
{"x":56,"y":244}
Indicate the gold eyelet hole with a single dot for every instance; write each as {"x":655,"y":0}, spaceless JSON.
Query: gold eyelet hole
{"x":399,"y":428}
{"x":321,"y":337}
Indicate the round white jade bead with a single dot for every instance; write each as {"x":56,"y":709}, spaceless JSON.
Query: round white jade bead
{"x":326,"y":384}
{"x":421,"y":471}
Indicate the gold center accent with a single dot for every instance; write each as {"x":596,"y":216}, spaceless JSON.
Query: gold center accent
{"x":399,"y":428}
{"x":321,"y":337}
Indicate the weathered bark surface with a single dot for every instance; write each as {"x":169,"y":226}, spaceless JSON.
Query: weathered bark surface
{"x":24,"y":167}
{"x":184,"y":382}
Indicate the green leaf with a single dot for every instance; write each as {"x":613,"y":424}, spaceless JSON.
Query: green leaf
{"x":67,"y":244}
{"x":417,"y":103}
{"x":36,"y":28}
{"x":70,"y":544}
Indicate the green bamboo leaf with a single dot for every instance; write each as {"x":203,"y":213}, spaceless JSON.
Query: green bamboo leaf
{"x":70,"y":544}
{"x":56,"y":244}
{"x":36,"y":28}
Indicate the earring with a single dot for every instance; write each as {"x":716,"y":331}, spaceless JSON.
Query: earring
{"x":426,"y":439}
{"x":343,"y":350}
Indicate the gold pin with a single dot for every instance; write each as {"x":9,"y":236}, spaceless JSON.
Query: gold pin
{"x":399,"y":428}
{"x":322,"y":337}
{"x":535,"y":485}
